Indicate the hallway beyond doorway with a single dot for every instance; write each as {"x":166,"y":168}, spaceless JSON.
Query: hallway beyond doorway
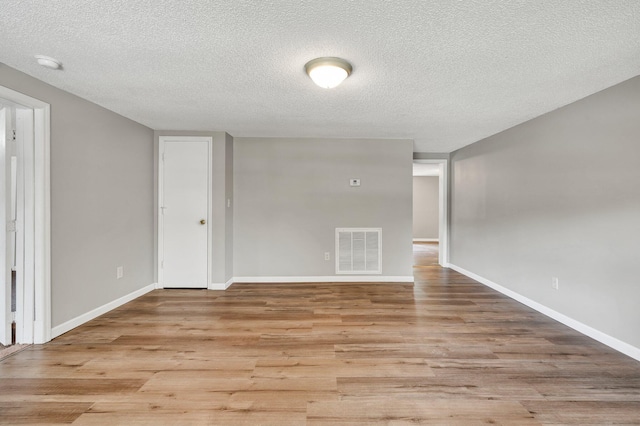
{"x":425,"y":254}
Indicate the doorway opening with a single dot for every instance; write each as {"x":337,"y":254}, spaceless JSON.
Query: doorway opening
{"x":431,"y":200}
{"x":25,"y":290}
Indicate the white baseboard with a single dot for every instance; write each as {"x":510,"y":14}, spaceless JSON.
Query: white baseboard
{"x":221,"y":286}
{"x":327,"y":279}
{"x":79,"y":320}
{"x":601,"y":337}
{"x":426,"y":240}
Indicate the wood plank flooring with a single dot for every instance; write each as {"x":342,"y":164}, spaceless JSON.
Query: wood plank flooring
{"x":446,"y":350}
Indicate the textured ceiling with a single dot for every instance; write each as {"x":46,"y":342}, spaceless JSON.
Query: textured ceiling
{"x":443,"y":73}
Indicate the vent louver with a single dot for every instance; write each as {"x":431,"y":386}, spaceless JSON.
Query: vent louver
{"x":358,"y":250}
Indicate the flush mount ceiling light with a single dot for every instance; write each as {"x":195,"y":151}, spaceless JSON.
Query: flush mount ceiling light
{"x":48,"y":62}
{"x":328,"y":72}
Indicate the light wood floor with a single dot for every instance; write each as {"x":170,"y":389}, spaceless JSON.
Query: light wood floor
{"x":446,"y":350}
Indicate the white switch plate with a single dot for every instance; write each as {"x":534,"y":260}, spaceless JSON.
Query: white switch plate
{"x":354,"y":182}
{"x":555,"y":283}
{"x":119,"y":272}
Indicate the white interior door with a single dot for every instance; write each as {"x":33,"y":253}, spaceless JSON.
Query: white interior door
{"x":24,"y":216}
{"x":184,"y":212}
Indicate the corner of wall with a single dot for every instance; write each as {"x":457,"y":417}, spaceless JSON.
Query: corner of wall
{"x":229,"y":192}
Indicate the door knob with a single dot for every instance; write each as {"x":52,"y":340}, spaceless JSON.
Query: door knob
{"x":202,"y":221}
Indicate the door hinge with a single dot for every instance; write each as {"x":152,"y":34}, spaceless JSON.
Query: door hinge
{"x":14,"y":135}
{"x":12,"y":226}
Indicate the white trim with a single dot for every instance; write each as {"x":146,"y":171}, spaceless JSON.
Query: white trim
{"x":5,"y":216}
{"x":79,"y":320}
{"x":327,"y":279}
{"x":601,"y":337}
{"x":37,"y":250}
{"x":160,"y":254}
{"x":426,"y":240}
{"x":443,"y":207}
{"x":42,"y":117}
{"x":221,"y":286}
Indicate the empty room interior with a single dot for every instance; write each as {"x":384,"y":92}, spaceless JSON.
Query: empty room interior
{"x":296,"y":212}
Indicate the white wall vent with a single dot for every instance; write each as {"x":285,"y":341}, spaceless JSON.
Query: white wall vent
{"x":358,"y":250}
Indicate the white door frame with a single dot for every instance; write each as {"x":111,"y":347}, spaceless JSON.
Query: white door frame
{"x":5,"y":243}
{"x":35,"y":324}
{"x":162,"y":140}
{"x":443,"y":206}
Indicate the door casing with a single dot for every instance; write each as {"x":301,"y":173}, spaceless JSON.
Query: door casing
{"x":443,"y":201}
{"x":34,"y":223}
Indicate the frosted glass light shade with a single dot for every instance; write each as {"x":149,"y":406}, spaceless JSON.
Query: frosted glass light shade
{"x":328,"y":72}
{"x":48,"y":62}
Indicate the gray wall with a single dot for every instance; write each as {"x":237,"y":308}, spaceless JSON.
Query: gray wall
{"x":559,"y":196}
{"x":425,"y":207}
{"x":431,"y":156}
{"x":291,"y":194}
{"x":101,"y":200}
{"x":222,"y":190}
